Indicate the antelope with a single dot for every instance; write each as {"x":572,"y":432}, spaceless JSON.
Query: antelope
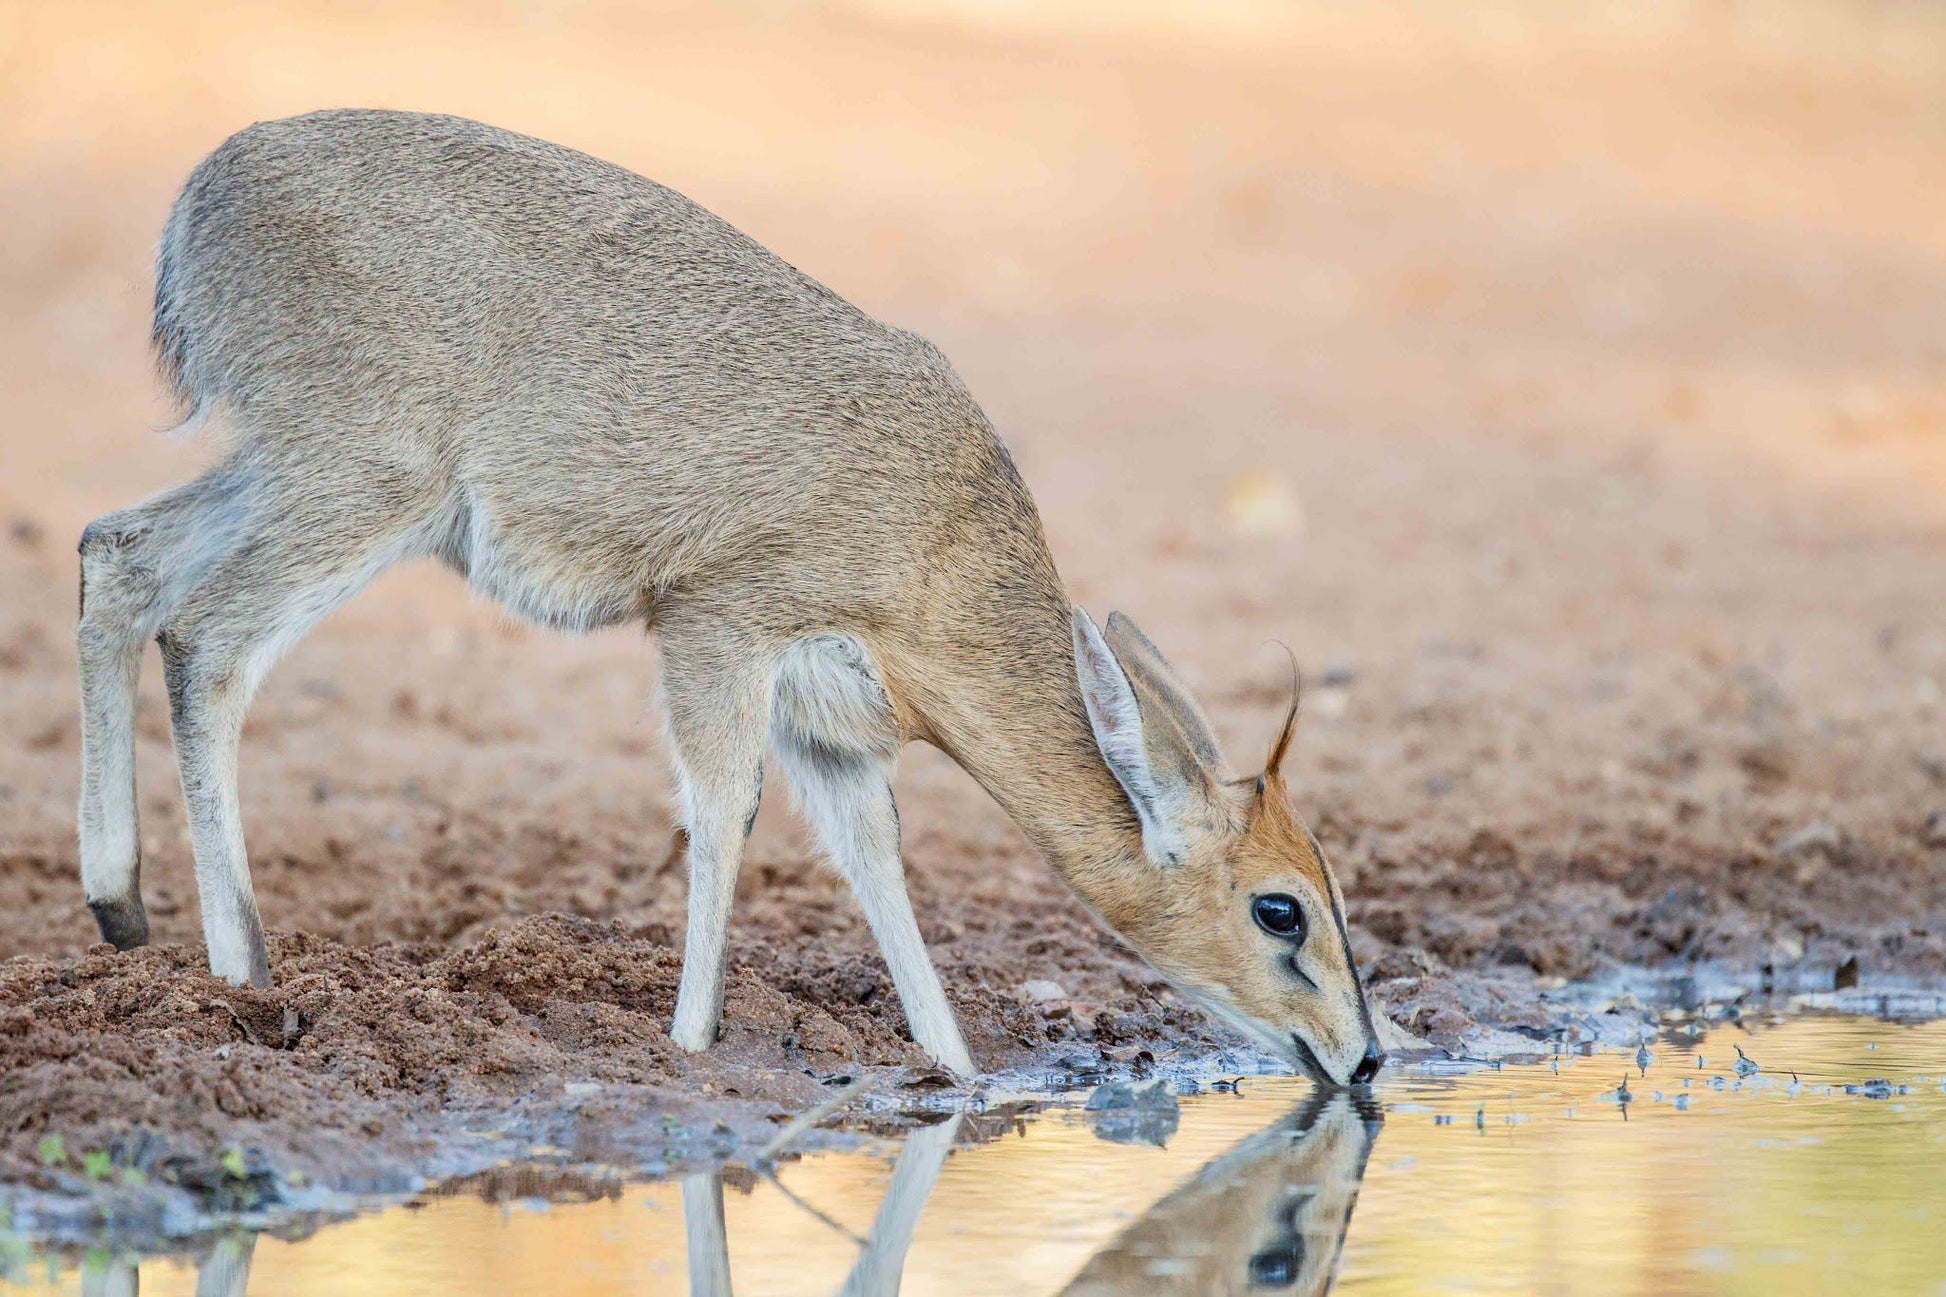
{"x":598,"y":403}
{"x":1271,"y":1213}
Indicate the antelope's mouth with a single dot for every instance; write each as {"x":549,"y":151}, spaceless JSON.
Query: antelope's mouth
{"x":1307,"y":1063}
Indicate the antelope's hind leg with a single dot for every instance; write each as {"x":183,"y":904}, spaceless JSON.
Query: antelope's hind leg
{"x":833,"y":731}
{"x":137,"y":564}
{"x":297,"y":555}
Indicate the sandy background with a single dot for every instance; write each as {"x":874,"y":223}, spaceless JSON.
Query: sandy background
{"x":1566,"y":385}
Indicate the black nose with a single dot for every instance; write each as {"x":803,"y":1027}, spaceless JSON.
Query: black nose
{"x":1367,"y":1066}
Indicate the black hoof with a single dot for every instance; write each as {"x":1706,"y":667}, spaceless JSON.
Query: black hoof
{"x":124,"y":925}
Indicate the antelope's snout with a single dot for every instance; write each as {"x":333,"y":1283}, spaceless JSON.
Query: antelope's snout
{"x":1362,"y":1071}
{"x":1287,"y":974}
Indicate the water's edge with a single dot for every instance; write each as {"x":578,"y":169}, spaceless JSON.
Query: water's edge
{"x":521,"y":1151}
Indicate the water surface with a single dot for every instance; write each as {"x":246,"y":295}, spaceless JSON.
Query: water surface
{"x":1536,"y":1177}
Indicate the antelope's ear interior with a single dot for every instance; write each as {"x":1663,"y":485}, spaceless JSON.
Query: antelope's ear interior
{"x":1157,"y":789}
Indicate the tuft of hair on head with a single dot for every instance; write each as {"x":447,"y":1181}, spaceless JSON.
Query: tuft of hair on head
{"x":1274,"y":764}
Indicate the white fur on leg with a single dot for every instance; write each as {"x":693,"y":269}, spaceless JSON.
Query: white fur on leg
{"x":109,"y":847}
{"x":719,"y":778}
{"x":208,"y":729}
{"x":712,"y":889}
{"x":832,"y":729}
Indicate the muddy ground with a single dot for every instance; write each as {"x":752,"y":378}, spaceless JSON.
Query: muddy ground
{"x":1568,"y":391}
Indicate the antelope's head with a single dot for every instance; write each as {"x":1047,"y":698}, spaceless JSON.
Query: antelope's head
{"x":1236,"y":903}
{"x":1270,"y":1215}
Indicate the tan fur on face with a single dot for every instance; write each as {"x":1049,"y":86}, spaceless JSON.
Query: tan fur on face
{"x":1206,"y":940}
{"x":1195,"y":921}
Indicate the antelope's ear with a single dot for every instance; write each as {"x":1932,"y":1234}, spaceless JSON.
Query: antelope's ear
{"x":1148,"y":758}
{"x":1162,"y":693}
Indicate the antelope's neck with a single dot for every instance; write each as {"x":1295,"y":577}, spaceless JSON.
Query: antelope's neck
{"x":1010,"y":713}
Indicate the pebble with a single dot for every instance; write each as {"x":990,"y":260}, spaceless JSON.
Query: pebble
{"x":1816,"y":836}
{"x":1134,"y":1114}
{"x":1120,"y":1096}
{"x":1042,"y":992}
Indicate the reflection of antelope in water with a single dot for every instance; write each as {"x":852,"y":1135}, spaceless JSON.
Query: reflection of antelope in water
{"x":1269,"y":1215}
{"x":882,"y":1258}
{"x":225,"y":1272}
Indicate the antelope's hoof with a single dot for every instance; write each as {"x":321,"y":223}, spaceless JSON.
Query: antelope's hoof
{"x":123,"y":923}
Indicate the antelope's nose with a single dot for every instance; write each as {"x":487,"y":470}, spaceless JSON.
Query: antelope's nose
{"x":1367,"y":1066}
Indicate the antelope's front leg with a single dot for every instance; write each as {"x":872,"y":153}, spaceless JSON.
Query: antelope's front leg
{"x":832,"y":729}
{"x":717,"y":724}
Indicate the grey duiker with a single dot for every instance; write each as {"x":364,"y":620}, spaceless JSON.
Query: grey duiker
{"x":600,"y":404}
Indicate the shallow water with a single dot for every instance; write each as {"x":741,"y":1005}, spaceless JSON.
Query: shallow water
{"x":1520,"y":1178}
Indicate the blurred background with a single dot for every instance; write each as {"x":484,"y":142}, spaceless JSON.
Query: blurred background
{"x":1565,"y":382}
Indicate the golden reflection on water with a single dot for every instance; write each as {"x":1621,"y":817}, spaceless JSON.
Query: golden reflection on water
{"x":1521,"y":1179}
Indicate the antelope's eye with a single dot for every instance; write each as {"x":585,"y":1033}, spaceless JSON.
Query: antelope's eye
{"x":1278,"y":915}
{"x":1278,"y":1267}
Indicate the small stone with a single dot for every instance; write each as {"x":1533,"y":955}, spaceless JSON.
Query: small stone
{"x":1817,"y":836}
{"x":1934,"y":832}
{"x":1042,"y":992}
{"x":1135,"y":1114}
{"x":1121,"y":1096}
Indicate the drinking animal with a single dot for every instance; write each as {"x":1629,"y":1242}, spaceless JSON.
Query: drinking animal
{"x":600,"y":404}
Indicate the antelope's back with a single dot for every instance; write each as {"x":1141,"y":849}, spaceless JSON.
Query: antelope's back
{"x":597,"y":362}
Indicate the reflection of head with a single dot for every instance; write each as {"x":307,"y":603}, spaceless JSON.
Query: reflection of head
{"x":1268,"y":1216}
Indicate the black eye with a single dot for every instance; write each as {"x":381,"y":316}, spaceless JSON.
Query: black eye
{"x":1277,"y":1267}
{"x":1278,"y":915}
